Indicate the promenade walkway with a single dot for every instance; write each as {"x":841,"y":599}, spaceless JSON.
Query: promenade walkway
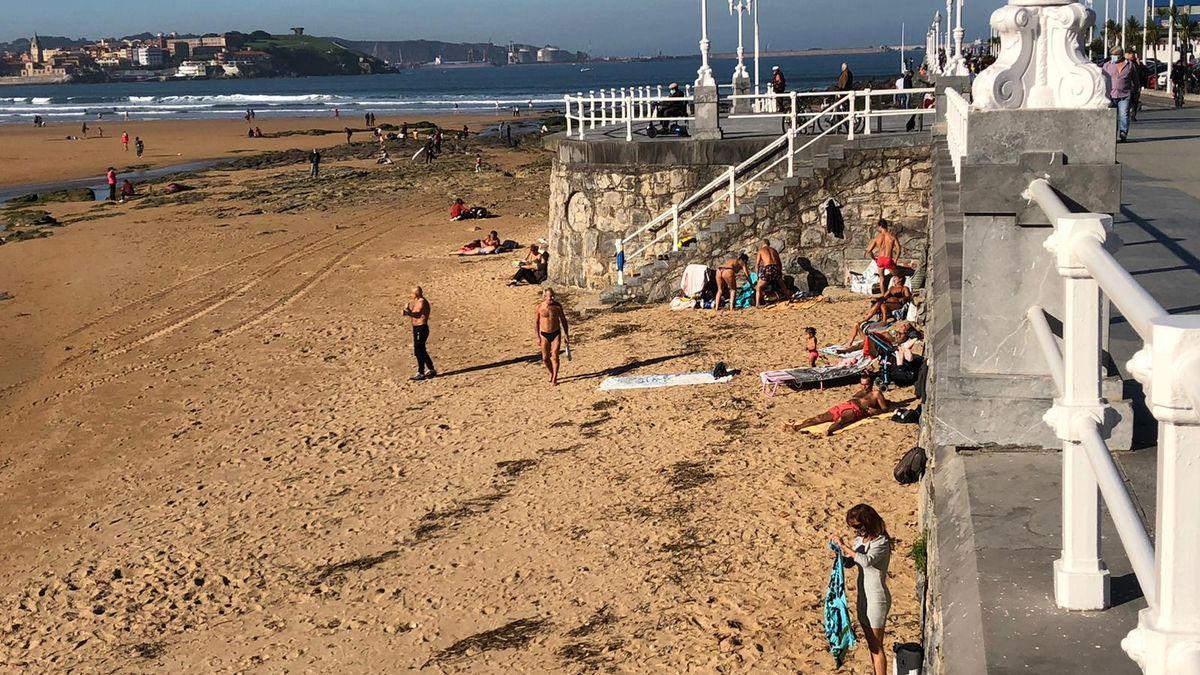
{"x":1001,"y":617}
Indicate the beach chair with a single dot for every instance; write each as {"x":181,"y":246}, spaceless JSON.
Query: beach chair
{"x":851,"y":366}
{"x":885,"y":352}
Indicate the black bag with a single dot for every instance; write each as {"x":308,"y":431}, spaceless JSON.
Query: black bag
{"x":907,"y":416}
{"x":911,"y":467}
{"x":908,"y":374}
{"x":922,"y":379}
{"x":708,"y":292}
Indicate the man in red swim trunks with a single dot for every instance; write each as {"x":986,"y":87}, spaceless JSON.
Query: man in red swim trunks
{"x":884,"y":249}
{"x":865,"y":402}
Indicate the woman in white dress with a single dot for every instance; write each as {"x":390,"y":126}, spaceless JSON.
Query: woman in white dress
{"x":871,"y":553}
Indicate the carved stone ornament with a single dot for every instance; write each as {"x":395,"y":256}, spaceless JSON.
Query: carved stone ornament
{"x":1041,"y":63}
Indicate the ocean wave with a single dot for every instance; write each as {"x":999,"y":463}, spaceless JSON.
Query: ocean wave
{"x":259,"y":99}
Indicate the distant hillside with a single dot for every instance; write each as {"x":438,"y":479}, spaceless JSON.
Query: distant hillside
{"x":304,"y":55}
{"x":410,"y":52}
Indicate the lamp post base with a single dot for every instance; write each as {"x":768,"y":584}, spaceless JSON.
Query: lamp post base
{"x":1084,"y":588}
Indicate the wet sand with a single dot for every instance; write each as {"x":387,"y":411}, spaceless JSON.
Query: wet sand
{"x":212,"y":460}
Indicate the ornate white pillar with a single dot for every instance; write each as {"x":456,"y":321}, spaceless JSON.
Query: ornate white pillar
{"x":1041,"y":64}
{"x":704,"y":95}
{"x":741,"y":78}
{"x":949,"y":36}
{"x":936,"y":65}
{"x":960,"y":60}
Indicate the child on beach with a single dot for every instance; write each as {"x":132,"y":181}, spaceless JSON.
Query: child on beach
{"x":810,"y":344}
{"x":478,"y":163}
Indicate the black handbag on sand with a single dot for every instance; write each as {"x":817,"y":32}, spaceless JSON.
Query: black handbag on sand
{"x":911,"y":467}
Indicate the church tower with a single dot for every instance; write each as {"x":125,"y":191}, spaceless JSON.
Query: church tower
{"x":35,"y":49}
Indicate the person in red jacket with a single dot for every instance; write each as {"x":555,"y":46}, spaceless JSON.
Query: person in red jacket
{"x":112,"y":184}
{"x":459,"y":210}
{"x":125,"y":140}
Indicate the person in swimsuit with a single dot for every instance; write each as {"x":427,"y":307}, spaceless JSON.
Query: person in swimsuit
{"x":553,"y":333}
{"x":885,"y":250}
{"x":534,"y":269}
{"x":883,"y":306}
{"x":418,"y":311}
{"x":810,"y":344}
{"x":770,"y":272}
{"x":727,"y":276}
{"x":871,"y":554}
{"x":865,"y":402}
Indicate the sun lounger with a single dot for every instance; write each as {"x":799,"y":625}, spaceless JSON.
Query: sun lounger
{"x":853,"y":366}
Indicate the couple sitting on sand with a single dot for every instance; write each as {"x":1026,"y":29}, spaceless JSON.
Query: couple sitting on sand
{"x":460,"y":211}
{"x":770,"y":277}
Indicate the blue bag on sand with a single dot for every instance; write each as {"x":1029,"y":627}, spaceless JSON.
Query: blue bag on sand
{"x":837,"y":612}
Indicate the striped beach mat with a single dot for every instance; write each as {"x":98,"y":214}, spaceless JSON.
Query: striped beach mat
{"x":819,"y":375}
{"x":659,"y":381}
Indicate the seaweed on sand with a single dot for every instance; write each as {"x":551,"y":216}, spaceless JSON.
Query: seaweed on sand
{"x":512,"y":635}
{"x":334,"y":570}
{"x":689,"y":475}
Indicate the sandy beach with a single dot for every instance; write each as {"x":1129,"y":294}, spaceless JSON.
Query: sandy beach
{"x":212,"y":459}
{"x":33,"y":156}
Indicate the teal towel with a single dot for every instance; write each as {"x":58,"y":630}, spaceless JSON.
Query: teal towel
{"x":745,"y":296}
{"x":837,"y":611}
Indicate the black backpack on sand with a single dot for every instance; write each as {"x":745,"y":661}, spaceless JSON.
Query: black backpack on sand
{"x":911,"y":467}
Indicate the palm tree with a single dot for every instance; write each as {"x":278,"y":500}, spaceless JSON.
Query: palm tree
{"x":1186,"y":30}
{"x":1113,"y":30}
{"x":1133,"y":28}
{"x":1096,"y":48}
{"x":1153,"y":36}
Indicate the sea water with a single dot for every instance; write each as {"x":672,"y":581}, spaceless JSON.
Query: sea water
{"x":405,"y":94}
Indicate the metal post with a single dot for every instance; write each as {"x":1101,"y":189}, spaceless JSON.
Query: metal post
{"x":592,"y":107}
{"x":1171,"y":48}
{"x":792,"y":145}
{"x":949,"y":20}
{"x":581,"y":125}
{"x":1107,"y":46}
{"x":1145,"y":26}
{"x":704,"y":76}
{"x":675,"y":225}
{"x":1124,"y":21}
{"x":757,"y":51}
{"x":867,"y":111}
{"x":620,"y":262}
{"x":732,"y":190}
{"x":850,"y":116}
{"x":1081,"y":579}
{"x":629,"y":119}
{"x":567,"y":108}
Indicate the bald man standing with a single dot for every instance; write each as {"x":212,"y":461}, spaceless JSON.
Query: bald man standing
{"x":418,"y":311}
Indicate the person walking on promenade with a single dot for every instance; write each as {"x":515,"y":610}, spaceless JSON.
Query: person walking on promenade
{"x":418,"y":311}
{"x":1119,"y":74}
{"x":1136,"y":82}
{"x":314,"y":163}
{"x":111,"y":177}
{"x":125,"y":140}
{"x":138,"y":146}
{"x":871,"y":553}
{"x":553,"y":333}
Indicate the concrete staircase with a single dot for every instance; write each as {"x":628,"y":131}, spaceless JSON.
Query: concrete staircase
{"x":655,"y":278}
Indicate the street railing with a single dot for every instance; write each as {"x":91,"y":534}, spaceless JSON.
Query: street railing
{"x":1167,"y":639}
{"x":864,"y":106}
{"x":624,"y":107}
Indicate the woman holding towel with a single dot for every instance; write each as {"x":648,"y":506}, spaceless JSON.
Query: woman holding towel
{"x":871,"y":553}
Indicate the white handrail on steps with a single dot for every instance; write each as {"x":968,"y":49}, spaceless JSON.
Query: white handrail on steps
{"x":730,"y":180}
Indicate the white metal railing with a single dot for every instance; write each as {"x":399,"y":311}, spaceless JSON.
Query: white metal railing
{"x":957,"y":112}
{"x":624,"y":107}
{"x":725,"y":189}
{"x":1167,"y":639}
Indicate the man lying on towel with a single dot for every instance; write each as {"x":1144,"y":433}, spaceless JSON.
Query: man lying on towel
{"x":866,"y":402}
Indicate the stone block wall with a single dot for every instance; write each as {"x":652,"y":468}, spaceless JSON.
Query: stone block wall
{"x":592,"y":205}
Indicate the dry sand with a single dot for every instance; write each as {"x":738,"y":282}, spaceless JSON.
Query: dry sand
{"x":212,"y":460}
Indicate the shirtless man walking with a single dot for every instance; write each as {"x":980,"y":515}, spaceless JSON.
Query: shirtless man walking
{"x":865,"y":402}
{"x":727,"y":276}
{"x":418,"y":311}
{"x":770,"y":271}
{"x":550,"y":324}
{"x":885,"y":250}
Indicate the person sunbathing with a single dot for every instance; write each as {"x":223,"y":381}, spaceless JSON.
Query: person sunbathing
{"x":897,"y":296}
{"x":866,"y":402}
{"x":902,"y":335}
{"x":533,"y":270}
{"x":490,"y":243}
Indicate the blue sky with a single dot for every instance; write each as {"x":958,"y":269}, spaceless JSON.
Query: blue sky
{"x":617,"y":27}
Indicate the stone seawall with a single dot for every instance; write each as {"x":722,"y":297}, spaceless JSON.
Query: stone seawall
{"x":593,"y":203}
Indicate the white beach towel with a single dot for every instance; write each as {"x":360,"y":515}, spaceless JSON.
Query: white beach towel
{"x":693,"y":280}
{"x":658,"y":381}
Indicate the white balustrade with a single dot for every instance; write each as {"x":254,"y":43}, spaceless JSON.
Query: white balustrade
{"x":957,"y":113}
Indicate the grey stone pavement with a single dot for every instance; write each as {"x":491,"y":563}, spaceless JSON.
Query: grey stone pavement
{"x":1003,"y":594}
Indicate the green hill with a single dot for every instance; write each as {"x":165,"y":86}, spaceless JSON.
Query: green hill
{"x":302,"y":55}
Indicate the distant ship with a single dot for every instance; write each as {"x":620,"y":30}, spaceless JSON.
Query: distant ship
{"x":585,"y":70}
